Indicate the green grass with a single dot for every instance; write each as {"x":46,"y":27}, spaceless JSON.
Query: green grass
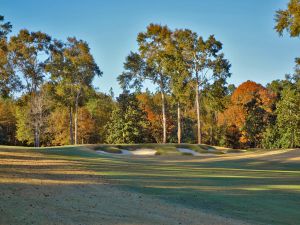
{"x":187,"y":153}
{"x":253,"y":190}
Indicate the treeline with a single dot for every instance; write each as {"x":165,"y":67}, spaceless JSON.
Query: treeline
{"x":52,"y":80}
{"x":47,"y":96}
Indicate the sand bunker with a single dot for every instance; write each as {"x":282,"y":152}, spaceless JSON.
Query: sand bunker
{"x":194,"y":153}
{"x":123,"y":152}
{"x":144,"y":151}
{"x":141,"y":151}
{"x":186,"y":150}
{"x":102,"y":152}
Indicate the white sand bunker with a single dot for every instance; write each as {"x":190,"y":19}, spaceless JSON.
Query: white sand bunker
{"x":123,"y":152}
{"x":144,"y":151}
{"x":141,"y":151}
{"x":189,"y":151}
{"x":194,"y":153}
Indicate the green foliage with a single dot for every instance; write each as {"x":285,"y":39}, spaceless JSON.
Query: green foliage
{"x":58,"y":122}
{"x":288,"y":107}
{"x":24,"y":133}
{"x":7,"y":121}
{"x":100,"y":107}
{"x":72,"y":69}
{"x":5,"y":28}
{"x":255,"y":122}
{"x":271,"y":137}
{"x":115,"y":127}
{"x":27,"y":48}
{"x":288,"y":118}
{"x":128,"y":123}
{"x":9,"y":81}
{"x":289,"y":19}
{"x":188,"y":131}
{"x":283,"y":132}
{"x":213,"y":101}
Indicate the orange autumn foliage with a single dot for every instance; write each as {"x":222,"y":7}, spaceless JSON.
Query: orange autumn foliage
{"x":151,"y":105}
{"x":248,"y":90}
{"x":235,"y":114}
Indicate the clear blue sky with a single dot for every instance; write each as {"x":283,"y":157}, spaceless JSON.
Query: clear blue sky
{"x":245,"y":27}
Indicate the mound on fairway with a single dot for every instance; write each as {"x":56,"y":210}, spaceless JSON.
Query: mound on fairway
{"x":78,"y":186}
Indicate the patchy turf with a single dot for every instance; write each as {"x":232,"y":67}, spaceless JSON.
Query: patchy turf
{"x":73,"y":185}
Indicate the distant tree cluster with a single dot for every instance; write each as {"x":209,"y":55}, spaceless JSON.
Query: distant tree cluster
{"x":181,"y":64}
{"x":56,"y":102}
{"x":47,"y":96}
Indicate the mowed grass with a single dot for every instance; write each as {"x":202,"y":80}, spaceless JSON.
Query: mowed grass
{"x":246,"y":187}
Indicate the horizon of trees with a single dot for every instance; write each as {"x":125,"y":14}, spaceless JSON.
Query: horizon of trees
{"x":193,"y":102}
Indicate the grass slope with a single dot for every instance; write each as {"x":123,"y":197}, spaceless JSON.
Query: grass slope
{"x":259,"y":188}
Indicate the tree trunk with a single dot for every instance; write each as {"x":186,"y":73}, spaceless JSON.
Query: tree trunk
{"x":213,"y":123}
{"x":198,"y":113}
{"x":291,"y":145}
{"x":35,"y":136}
{"x":71,"y":126}
{"x":164,"y":120}
{"x":179,"y":123}
{"x":211,"y":135}
{"x":76,"y":118}
{"x":38,"y":136}
{"x":76,"y":127}
{"x":76,"y":124}
{"x":36,"y":114}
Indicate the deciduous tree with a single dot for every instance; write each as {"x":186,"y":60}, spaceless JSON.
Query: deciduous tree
{"x":207,"y":64}
{"x":72,"y":69}
{"x":29,"y":55}
{"x":9,"y":81}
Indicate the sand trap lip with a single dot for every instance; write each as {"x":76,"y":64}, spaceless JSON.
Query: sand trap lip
{"x":142,"y":152}
{"x":194,"y":153}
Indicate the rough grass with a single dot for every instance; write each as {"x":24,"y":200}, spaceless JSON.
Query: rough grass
{"x":64,"y":184}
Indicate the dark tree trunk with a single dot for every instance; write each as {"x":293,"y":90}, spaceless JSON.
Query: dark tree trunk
{"x":37,"y":116}
{"x":76,"y":117}
{"x":76,"y":122}
{"x":164,"y":120}
{"x":71,"y":125}
{"x":35,"y":137}
{"x":212,"y":130}
{"x":198,"y":113}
